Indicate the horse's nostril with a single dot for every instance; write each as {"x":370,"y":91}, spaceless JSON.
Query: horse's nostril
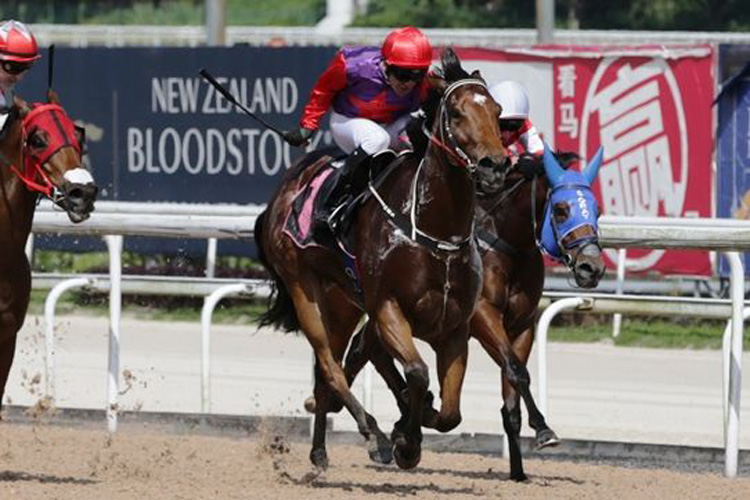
{"x":585,"y":267}
{"x":487,"y":162}
{"x":75,"y":193}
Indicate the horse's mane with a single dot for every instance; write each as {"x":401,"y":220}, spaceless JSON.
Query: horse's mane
{"x":13,"y":115}
{"x":450,"y":72}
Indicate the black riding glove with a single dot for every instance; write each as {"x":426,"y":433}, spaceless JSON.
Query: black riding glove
{"x":298,"y":137}
{"x":529,"y":165}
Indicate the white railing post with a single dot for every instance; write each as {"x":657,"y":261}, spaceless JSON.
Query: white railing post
{"x":49,"y":331}
{"x":29,"y":249}
{"x":211,"y":257}
{"x":206,"y":313}
{"x":114,"y":244}
{"x":735,"y":365}
{"x":617,"y":317}
{"x":541,"y":335}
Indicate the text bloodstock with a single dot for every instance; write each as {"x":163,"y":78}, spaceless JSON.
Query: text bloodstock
{"x":208,"y":151}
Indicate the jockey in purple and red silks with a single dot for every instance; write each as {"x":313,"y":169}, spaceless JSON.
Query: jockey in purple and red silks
{"x":18,"y":51}
{"x":372,"y":92}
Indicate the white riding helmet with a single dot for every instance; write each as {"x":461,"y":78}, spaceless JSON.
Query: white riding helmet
{"x":512,"y":97}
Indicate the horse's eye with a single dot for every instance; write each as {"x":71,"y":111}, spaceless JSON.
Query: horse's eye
{"x":453,"y":113}
{"x":560,"y":211}
{"x":35,"y":141}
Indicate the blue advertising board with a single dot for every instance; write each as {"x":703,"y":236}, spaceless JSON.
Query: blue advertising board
{"x":158,"y":132}
{"x":733,"y":142}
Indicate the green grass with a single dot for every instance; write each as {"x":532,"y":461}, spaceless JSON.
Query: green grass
{"x":658,"y":333}
{"x":239,"y":12}
{"x":636,"y":332}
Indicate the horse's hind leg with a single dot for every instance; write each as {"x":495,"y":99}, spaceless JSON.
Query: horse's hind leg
{"x":367,"y":347}
{"x":331,"y":373}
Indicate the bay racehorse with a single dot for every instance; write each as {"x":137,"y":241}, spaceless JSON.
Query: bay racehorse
{"x":557,"y":214}
{"x":418,"y":263}
{"x":551,"y":210}
{"x":40,"y":153}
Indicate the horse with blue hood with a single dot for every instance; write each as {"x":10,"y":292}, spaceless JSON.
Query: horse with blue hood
{"x":569,"y":230}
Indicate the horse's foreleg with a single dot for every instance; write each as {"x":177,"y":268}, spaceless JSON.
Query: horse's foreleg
{"x":7,"y":352}
{"x":521,"y":351}
{"x":451,"y":364}
{"x":487,"y":327}
{"x":511,"y":413}
{"x":396,"y":336}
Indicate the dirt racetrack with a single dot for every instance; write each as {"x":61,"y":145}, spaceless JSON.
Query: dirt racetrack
{"x":48,"y":461}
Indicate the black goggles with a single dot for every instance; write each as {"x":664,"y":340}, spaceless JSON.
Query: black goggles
{"x":406,"y":74}
{"x":14,"y":67}
{"x":511,"y":125}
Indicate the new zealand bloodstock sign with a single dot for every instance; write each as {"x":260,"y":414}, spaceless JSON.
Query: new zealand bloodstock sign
{"x":649,"y":108}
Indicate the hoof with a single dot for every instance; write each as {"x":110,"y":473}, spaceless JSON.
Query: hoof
{"x":310,"y":404}
{"x":380,"y":451}
{"x":546,"y":438}
{"x":407,"y":458}
{"x":319,"y":458}
{"x":381,"y":448}
{"x":518,"y":476}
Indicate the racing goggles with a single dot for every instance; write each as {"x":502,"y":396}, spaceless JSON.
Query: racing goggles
{"x":406,"y":74}
{"x":14,"y":67}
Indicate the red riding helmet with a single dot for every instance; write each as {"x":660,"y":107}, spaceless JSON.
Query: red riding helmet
{"x":407,"y":48}
{"x":17,"y":43}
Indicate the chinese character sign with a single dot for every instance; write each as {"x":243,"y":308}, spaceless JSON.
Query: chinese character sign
{"x":653,"y":117}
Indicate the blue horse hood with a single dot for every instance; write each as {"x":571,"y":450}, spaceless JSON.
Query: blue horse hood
{"x":574,"y":190}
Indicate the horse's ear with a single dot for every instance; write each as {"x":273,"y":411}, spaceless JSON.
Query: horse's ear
{"x":477,"y":75}
{"x":551,"y":167}
{"x":21,"y":105}
{"x":52,"y":97}
{"x":592,"y":167}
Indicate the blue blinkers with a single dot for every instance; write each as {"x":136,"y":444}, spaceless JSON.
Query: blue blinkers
{"x":574,"y":189}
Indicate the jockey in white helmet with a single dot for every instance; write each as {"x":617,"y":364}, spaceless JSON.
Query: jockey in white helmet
{"x":515,"y":127}
{"x":18,"y":51}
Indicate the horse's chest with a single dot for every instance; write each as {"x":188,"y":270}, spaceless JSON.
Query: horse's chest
{"x":439,"y":289}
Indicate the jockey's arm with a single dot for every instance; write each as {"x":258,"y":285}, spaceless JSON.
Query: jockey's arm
{"x":530,"y":139}
{"x":329,"y":84}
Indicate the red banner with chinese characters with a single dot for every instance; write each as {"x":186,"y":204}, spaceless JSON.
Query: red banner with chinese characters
{"x":649,"y":107}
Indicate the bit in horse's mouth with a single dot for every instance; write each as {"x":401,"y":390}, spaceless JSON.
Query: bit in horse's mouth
{"x":77,"y":217}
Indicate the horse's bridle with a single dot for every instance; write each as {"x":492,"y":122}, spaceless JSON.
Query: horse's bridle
{"x":32,"y":163}
{"x":444,"y":130}
{"x":409,"y":226}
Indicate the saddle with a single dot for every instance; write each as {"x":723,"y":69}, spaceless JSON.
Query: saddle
{"x":312,"y":211}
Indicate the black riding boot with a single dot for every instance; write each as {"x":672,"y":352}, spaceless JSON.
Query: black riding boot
{"x":353,"y":178}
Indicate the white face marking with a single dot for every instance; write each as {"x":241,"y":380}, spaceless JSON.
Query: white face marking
{"x":78,"y":176}
{"x":480,"y":99}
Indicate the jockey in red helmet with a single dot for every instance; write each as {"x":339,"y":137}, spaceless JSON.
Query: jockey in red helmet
{"x":18,"y":51}
{"x":372,"y":91}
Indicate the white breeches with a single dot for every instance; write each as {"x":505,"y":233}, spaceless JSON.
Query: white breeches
{"x":351,"y":133}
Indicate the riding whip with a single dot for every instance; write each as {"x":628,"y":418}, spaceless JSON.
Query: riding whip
{"x":229,"y":97}
{"x":50,"y":65}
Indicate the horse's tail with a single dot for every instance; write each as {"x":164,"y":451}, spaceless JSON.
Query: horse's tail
{"x":280,"y":312}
